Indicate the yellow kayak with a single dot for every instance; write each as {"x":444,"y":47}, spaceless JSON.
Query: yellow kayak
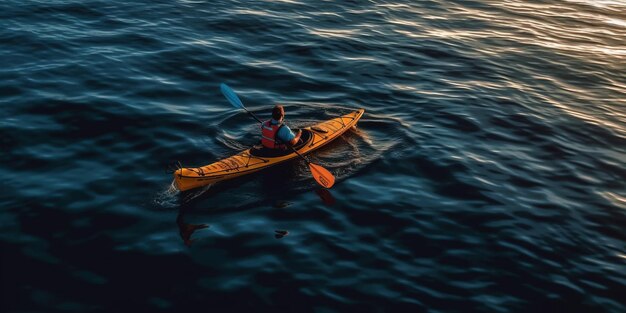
{"x":256,"y":159}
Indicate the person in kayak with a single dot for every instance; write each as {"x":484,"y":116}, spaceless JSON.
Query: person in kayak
{"x":275,"y":134}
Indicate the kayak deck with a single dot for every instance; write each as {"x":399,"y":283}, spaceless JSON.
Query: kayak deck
{"x":253,"y":160}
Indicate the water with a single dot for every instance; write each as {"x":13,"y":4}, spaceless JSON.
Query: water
{"x":487,"y":173}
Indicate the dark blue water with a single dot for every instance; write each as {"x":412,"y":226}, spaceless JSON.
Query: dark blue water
{"x":487,"y":174}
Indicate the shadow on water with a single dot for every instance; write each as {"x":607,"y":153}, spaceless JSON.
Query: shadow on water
{"x":274,"y":184}
{"x":185,"y":229}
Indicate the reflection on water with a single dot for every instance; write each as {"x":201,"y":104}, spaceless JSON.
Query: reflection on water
{"x":326,"y":196}
{"x":487,"y":175}
{"x":185,"y":229}
{"x":186,"y":204}
{"x":280,"y":234}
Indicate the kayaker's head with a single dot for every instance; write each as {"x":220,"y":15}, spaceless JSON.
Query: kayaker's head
{"x":278,"y":113}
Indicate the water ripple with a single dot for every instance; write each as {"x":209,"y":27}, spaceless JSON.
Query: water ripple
{"x":486,"y":175}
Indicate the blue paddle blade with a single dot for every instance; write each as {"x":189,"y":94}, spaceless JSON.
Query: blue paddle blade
{"x":231,"y":96}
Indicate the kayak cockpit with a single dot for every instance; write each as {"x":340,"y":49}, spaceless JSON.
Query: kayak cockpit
{"x":305,"y":138}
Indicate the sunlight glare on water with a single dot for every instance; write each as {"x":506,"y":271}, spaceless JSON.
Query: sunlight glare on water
{"x":486,"y":175}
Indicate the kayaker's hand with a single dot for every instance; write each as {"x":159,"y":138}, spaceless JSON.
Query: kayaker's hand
{"x":296,"y":139}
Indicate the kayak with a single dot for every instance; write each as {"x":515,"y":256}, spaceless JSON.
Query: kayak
{"x":257,"y":158}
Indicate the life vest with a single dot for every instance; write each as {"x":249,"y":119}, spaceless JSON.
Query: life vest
{"x":268,"y":135}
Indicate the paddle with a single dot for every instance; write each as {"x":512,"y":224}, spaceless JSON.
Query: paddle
{"x":321,"y":175}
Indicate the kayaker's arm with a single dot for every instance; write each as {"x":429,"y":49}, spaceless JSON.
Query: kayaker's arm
{"x":286,"y":135}
{"x":295,"y":139}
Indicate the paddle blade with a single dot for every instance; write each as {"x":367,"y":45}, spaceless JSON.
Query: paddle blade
{"x":231,"y":96}
{"x":322,"y":176}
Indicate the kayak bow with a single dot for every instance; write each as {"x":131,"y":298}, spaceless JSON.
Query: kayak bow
{"x":253,"y":159}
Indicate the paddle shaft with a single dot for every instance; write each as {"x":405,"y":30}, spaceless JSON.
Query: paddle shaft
{"x":252,"y":114}
{"x":298,"y":153}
